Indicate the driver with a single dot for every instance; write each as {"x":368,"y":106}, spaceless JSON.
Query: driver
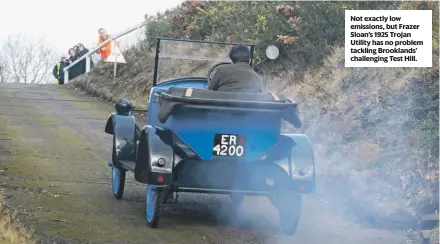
{"x":238,"y":76}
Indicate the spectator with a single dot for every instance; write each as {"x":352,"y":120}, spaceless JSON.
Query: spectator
{"x":73,"y":71}
{"x":58,"y":70}
{"x":76,"y":50}
{"x":105,"y":51}
{"x":81,"y":52}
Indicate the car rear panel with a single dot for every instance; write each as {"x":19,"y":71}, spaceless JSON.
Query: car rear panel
{"x":197,"y":128}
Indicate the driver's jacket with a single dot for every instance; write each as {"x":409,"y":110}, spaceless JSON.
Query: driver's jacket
{"x":238,"y":77}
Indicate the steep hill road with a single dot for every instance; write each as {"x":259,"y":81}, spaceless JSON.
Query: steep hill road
{"x":53,"y":170}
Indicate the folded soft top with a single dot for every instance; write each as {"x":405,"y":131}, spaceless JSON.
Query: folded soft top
{"x":190,"y":97}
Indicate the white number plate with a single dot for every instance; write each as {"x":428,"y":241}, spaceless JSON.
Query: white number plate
{"x":228,"y":145}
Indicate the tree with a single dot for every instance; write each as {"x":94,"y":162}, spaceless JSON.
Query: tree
{"x":3,"y":72}
{"x":26,"y":59}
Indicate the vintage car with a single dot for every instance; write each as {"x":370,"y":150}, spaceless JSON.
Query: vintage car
{"x":202,"y":141}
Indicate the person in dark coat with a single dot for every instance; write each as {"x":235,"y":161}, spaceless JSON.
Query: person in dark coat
{"x":75,"y":48}
{"x":238,"y":76}
{"x":75,"y":70}
{"x":81,"y":52}
{"x":58,"y":70}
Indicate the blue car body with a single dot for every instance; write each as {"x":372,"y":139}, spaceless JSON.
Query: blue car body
{"x":197,"y":140}
{"x":196,"y":128}
{"x":191,"y":132}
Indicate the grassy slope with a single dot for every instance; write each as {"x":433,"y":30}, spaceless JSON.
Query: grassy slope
{"x":358,"y":118}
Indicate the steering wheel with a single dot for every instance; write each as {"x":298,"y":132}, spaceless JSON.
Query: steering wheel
{"x":213,"y":68}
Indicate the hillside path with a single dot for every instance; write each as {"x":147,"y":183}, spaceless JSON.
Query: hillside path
{"x":53,"y":170}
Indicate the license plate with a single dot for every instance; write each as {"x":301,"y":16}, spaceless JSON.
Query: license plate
{"x":228,"y":145}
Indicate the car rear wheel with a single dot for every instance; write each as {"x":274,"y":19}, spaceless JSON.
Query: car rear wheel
{"x":118,"y":182}
{"x":289,"y":211}
{"x":153,"y":204}
{"x":118,"y":175}
{"x":237,"y":199}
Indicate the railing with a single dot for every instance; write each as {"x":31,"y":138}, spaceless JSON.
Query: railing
{"x":92,"y":51}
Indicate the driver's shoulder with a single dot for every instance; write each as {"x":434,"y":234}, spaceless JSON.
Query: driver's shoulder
{"x":226,"y":67}
{"x":234,"y":68}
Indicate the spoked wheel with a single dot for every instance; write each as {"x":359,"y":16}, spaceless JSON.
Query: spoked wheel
{"x":289,"y":211}
{"x":118,"y":182}
{"x":153,"y":205}
{"x":118,"y":175}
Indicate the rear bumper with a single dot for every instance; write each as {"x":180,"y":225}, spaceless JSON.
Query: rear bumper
{"x":223,"y":177}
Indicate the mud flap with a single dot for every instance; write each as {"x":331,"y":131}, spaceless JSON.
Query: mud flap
{"x":154,"y":145}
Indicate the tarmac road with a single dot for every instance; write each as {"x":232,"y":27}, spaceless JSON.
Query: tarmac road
{"x":53,"y":168}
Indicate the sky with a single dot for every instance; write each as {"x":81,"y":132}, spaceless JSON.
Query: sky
{"x":66,"y":23}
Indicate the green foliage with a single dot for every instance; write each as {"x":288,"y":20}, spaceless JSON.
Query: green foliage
{"x":305,"y":32}
{"x":425,"y":109}
{"x":156,"y":26}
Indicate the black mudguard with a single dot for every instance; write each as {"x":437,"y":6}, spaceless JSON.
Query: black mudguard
{"x":126,"y":133}
{"x":303,"y":157}
{"x":154,"y":144}
{"x":294,"y":153}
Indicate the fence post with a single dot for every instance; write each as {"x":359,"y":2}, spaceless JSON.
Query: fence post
{"x":115,"y":62}
{"x":66,"y":76}
{"x":87,"y":64}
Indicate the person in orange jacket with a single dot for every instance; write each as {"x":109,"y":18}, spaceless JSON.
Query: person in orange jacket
{"x":106,"y":50}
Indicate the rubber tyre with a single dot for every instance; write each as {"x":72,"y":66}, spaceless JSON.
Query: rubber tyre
{"x":236,"y":199}
{"x":118,"y":182}
{"x":118,"y":175}
{"x":153,"y":205}
{"x":289,"y":212}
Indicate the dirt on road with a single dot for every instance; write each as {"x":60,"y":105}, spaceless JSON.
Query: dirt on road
{"x":54,"y":172}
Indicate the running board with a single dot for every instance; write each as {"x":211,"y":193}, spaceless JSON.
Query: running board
{"x":219,"y":191}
